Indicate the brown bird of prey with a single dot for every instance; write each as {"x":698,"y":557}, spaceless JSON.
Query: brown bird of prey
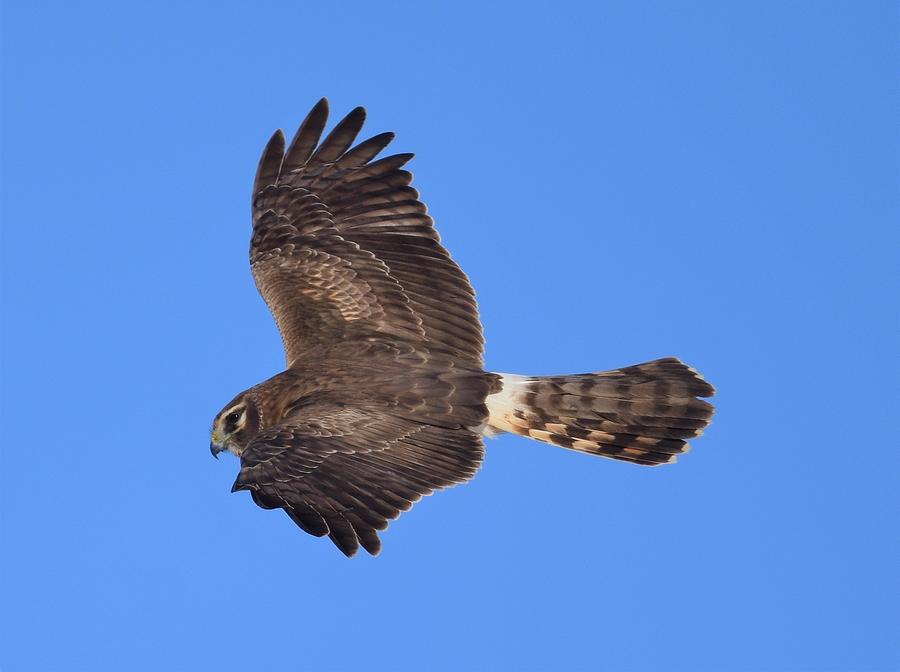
{"x":385,"y":397}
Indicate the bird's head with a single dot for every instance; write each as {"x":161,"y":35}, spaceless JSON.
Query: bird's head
{"x":235,"y":425}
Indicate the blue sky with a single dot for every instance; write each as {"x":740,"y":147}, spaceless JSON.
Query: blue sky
{"x":622,"y":181}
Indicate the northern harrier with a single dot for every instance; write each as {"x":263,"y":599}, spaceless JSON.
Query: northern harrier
{"x":385,"y":398}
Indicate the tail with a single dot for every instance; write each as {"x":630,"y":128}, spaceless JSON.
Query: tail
{"x":642,"y":414}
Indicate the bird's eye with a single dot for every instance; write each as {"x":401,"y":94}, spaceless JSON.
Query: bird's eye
{"x":232,"y":418}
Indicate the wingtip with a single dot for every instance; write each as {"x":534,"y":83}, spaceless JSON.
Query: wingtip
{"x":358,"y":111}
{"x":307,"y":136}
{"x":270,"y":162}
{"x":276,"y":143}
{"x":349,"y":551}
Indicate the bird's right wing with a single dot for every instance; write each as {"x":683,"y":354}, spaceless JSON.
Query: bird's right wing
{"x":348,"y":474}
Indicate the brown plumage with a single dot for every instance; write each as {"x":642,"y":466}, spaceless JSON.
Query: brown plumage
{"x":384,"y":398}
{"x":641,"y":414}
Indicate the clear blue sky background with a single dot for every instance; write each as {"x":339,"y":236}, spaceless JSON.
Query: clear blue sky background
{"x":622,"y":181}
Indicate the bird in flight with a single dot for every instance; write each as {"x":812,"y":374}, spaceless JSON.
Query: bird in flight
{"x":385,"y":398}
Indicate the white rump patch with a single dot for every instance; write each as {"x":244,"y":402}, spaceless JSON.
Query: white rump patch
{"x":503,"y":404}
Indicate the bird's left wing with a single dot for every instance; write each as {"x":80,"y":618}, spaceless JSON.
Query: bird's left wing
{"x":343,"y":247}
{"x":346,"y":474}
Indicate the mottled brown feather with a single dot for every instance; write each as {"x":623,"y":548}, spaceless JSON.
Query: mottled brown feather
{"x":348,"y":486}
{"x":642,"y":414}
{"x":384,"y":396}
{"x":382,"y":271}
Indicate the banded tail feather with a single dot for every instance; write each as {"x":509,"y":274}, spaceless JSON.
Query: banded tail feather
{"x":642,"y":414}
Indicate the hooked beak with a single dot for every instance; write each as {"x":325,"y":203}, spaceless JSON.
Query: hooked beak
{"x":215,"y":447}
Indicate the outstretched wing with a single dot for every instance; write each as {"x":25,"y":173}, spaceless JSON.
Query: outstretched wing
{"x":342,"y":246}
{"x":348,"y":475}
